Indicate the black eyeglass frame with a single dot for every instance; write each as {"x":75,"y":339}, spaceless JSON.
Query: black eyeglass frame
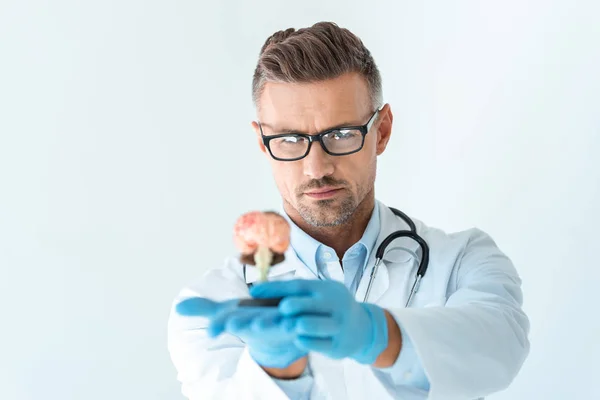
{"x":364,"y":129}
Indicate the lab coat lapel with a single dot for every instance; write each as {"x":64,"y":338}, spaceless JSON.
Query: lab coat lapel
{"x":381,"y":282}
{"x":303,"y":272}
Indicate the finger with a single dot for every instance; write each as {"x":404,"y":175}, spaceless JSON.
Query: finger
{"x":239,"y":321}
{"x":274,"y":327}
{"x":268,"y":321}
{"x":292,"y":287}
{"x":295,"y":305}
{"x":202,"y":307}
{"x":288,"y":325}
{"x":317,"y":326}
{"x":221,"y":322}
{"x":320,"y":345}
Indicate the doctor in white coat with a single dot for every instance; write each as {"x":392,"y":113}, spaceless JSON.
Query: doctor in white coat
{"x":322,"y":124}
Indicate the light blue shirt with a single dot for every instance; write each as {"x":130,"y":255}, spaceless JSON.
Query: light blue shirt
{"x":323,"y":261}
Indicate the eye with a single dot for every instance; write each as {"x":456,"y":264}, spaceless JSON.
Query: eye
{"x":292,"y":139}
{"x":344,"y":134}
{"x":289,"y":140}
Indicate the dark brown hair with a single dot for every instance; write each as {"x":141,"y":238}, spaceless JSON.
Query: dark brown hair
{"x":320,"y":52}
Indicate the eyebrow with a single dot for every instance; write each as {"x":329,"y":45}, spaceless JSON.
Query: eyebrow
{"x":296,"y":132}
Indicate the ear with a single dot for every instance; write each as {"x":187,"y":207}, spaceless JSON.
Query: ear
{"x":384,"y":128}
{"x":259,"y":137}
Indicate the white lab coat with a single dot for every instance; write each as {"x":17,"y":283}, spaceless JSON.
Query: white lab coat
{"x":465,"y":322}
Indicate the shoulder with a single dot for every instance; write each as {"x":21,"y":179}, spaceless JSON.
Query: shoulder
{"x":470,"y":253}
{"x":443,"y":245}
{"x":460,"y":241}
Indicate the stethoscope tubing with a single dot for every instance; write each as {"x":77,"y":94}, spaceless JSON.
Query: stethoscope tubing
{"x":412,"y":234}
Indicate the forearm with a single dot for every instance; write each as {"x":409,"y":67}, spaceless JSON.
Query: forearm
{"x":388,"y":357}
{"x":294,"y":370}
{"x":295,"y":380}
{"x":489,"y":344}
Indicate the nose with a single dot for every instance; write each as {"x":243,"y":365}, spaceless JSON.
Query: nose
{"x":317,"y":163}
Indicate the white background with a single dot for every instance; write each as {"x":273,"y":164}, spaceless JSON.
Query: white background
{"x":126,"y":154}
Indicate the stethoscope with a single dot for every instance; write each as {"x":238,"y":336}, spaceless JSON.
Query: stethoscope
{"x":412,"y":234}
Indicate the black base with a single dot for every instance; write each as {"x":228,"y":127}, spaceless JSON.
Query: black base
{"x":273,"y":302}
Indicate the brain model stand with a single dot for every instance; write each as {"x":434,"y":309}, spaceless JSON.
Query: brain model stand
{"x":262,"y":239}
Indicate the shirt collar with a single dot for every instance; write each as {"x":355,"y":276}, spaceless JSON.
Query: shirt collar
{"x":369,"y":237}
{"x":304,"y":245}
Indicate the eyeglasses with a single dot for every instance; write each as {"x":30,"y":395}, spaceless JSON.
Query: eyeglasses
{"x":336,"y":142}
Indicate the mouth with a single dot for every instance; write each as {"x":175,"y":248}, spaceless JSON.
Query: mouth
{"x":323,"y":193}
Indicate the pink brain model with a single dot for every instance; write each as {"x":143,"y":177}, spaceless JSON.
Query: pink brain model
{"x":260,"y":234}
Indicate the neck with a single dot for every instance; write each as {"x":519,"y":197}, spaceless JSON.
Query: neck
{"x":340,"y":237}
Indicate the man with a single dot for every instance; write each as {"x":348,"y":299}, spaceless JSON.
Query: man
{"x":322,"y":124}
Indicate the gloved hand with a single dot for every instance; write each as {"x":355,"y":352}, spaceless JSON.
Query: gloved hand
{"x":269,"y":337}
{"x":328,"y":319}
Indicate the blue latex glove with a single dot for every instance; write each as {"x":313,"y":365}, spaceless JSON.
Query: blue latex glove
{"x":328,"y":319}
{"x":269,"y":337}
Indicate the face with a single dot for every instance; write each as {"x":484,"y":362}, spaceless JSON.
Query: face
{"x":322,"y":189}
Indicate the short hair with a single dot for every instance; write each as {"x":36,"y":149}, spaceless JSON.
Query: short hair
{"x":320,"y":52}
